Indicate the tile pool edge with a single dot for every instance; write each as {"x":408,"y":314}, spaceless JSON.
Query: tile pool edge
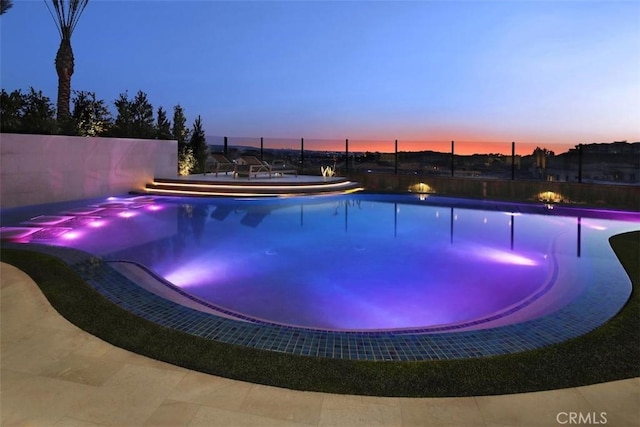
{"x":567,"y":323}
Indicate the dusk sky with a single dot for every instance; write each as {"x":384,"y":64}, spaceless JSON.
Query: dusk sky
{"x":548,"y":73}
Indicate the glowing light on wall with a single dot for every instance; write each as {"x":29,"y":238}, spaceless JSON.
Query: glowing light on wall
{"x":126,"y":214}
{"x":421,"y":187}
{"x":550,"y":196}
{"x":97,"y":223}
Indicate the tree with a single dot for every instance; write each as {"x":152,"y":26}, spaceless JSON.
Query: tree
{"x":135,"y":117}
{"x":142,"y":122}
{"x":5,"y":5}
{"x":179,"y":131}
{"x":198,"y":144}
{"x":162,"y":125}
{"x":186,"y":161}
{"x":11,"y":108}
{"x":27,"y":113}
{"x":123,"y":124}
{"x":67,"y":14}
{"x":90,"y":115}
{"x":38,"y":114}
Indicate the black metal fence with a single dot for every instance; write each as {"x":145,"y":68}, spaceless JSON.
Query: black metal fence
{"x":616,"y":162}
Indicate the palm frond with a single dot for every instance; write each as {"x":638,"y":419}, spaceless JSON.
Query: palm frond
{"x":56,"y":21}
{"x":67,"y":14}
{"x":77,"y":7}
{"x":5,"y":5}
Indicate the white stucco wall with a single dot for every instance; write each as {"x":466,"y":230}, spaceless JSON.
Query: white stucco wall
{"x":37,"y":169}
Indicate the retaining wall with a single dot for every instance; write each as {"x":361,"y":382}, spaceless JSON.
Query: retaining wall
{"x":625,"y":197}
{"x":37,"y":169}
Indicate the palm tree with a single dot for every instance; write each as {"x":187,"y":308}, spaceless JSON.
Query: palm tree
{"x":5,"y":5}
{"x":66,"y":18}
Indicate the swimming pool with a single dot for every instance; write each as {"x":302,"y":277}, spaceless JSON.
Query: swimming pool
{"x":363,"y":264}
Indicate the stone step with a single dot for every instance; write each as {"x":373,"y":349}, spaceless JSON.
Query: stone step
{"x":249,"y":188}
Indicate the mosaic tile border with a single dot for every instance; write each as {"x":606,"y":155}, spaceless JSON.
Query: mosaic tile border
{"x":594,"y":307}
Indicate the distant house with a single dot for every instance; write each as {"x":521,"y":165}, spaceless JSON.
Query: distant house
{"x":617,"y":162}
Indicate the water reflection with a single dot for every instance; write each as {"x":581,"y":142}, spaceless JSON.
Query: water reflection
{"x":579,"y":238}
{"x":252,"y":215}
{"x":192,"y":218}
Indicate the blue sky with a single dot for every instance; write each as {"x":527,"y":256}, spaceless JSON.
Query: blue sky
{"x":533,"y":71}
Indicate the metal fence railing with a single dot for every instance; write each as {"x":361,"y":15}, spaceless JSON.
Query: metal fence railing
{"x":617,"y":162}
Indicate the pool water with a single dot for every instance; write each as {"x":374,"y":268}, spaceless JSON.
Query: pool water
{"x":358,"y":262}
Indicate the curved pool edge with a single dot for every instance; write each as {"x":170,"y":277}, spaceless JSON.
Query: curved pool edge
{"x":155,"y":283}
{"x":567,"y":323}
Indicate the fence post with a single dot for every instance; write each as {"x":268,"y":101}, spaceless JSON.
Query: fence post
{"x":513,"y":160}
{"x":302,"y":156}
{"x":579,"y":240}
{"x":580,"y":163}
{"x":346,"y":155}
{"x":513,"y":227}
{"x":224,"y":147}
{"x":395,"y":168}
{"x":452,"y":154}
{"x":261,"y":148}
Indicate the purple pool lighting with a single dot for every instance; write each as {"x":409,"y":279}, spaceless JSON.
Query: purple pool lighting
{"x":126,"y":214}
{"x":361,"y":262}
{"x":47,"y":220}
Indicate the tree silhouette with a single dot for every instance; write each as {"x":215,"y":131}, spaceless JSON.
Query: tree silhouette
{"x":135,"y":117}
{"x":11,"y":110}
{"x":91,"y":116}
{"x":122,"y":126}
{"x":180,"y":133}
{"x":67,"y":14}
{"x":179,"y":130}
{"x":198,"y":145}
{"x":38,"y":114}
{"x":162,"y":125}
{"x":31,"y":112}
{"x":142,"y":117}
